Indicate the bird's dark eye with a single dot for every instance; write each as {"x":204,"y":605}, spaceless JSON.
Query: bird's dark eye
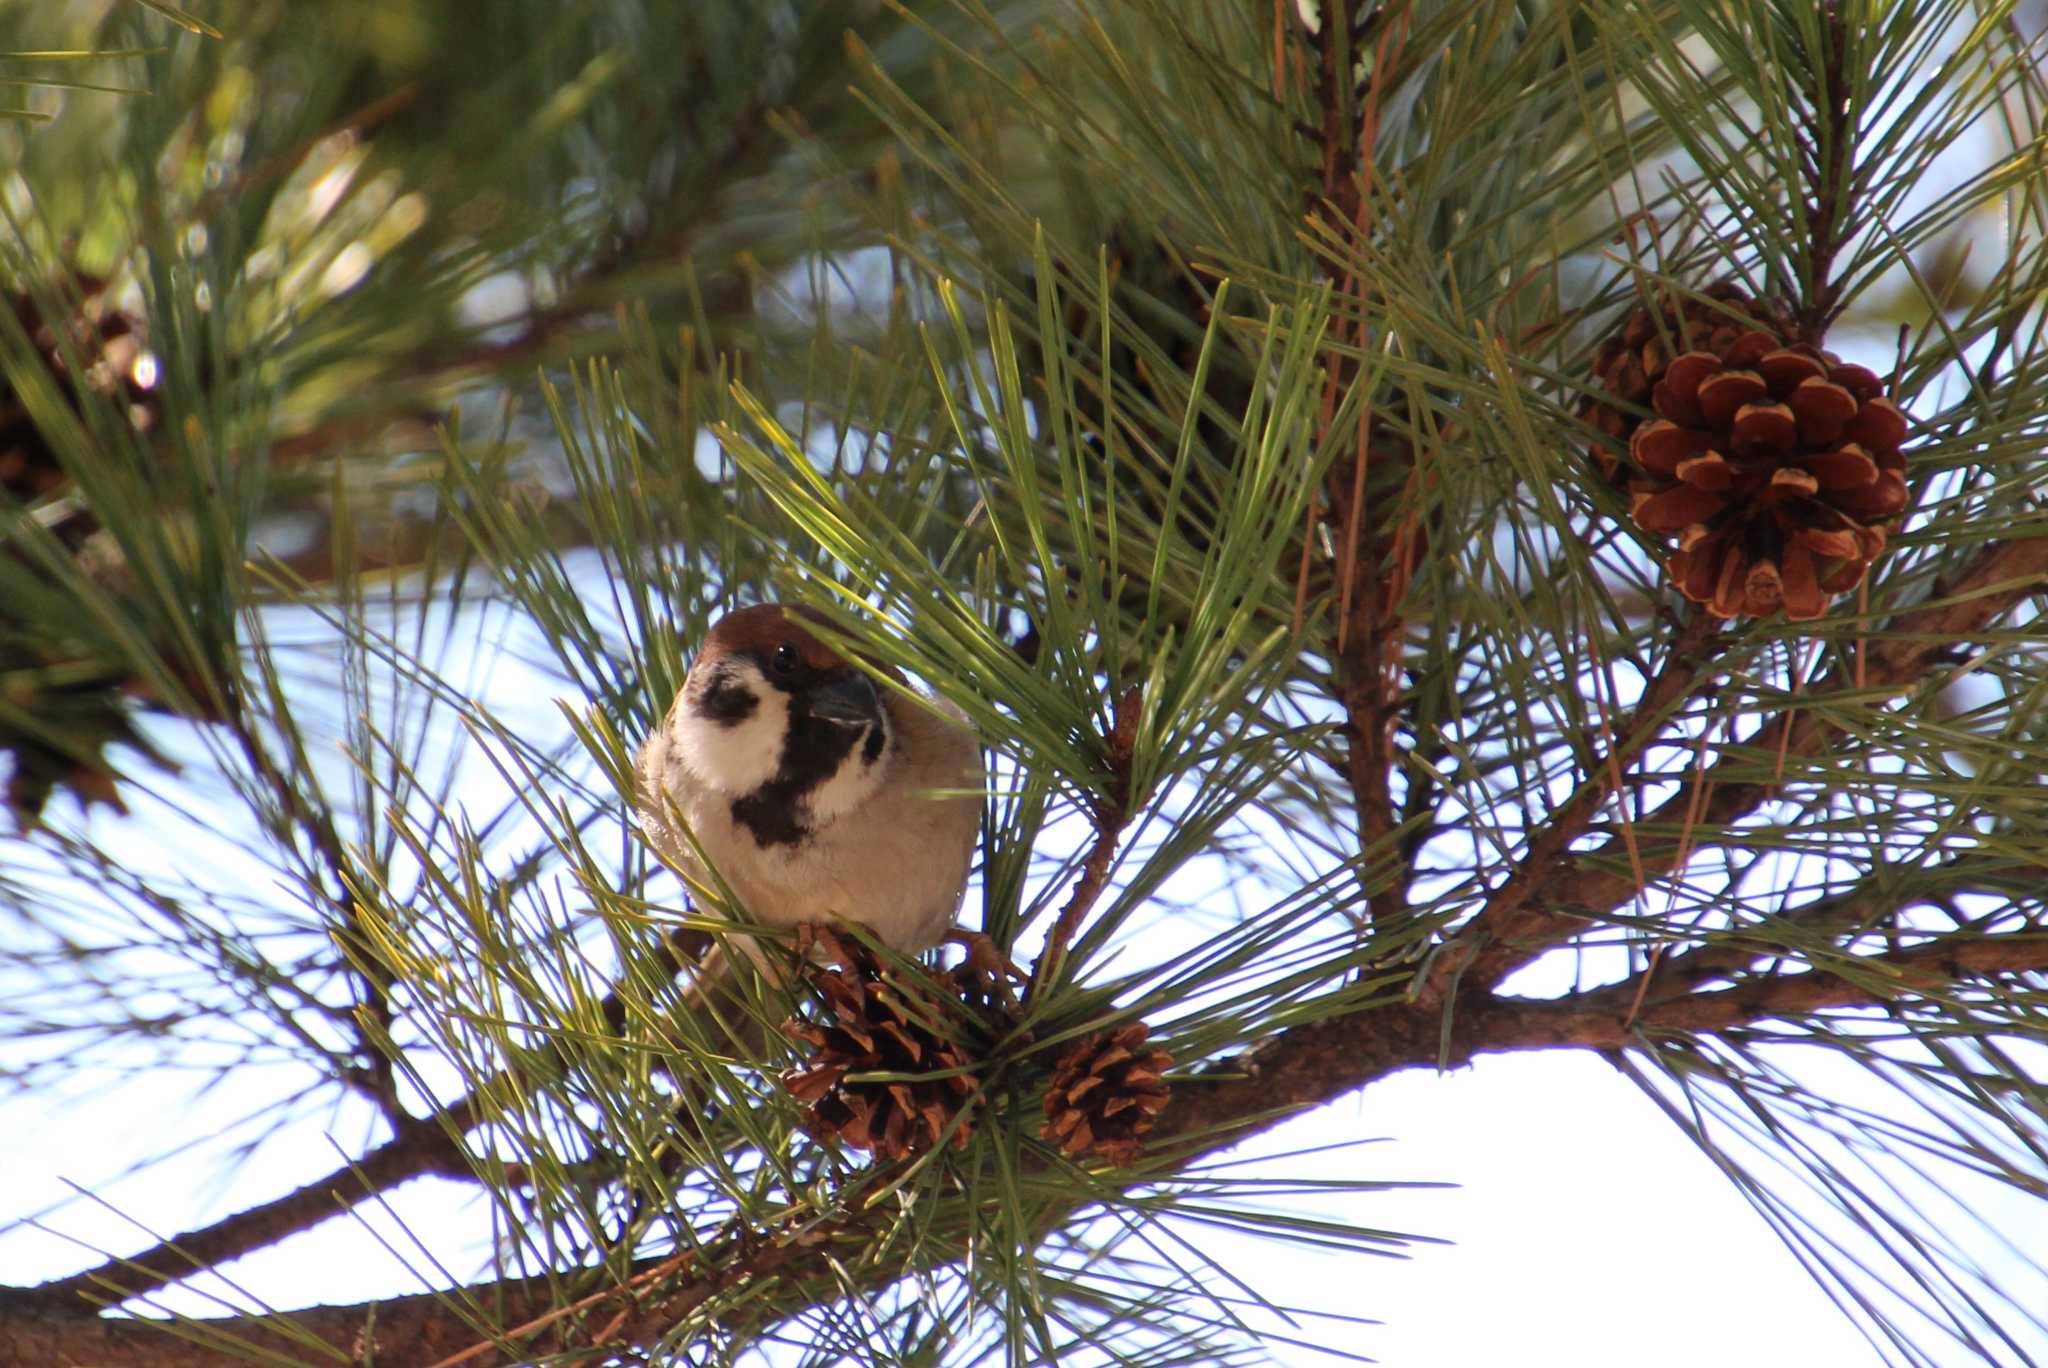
{"x":785,"y":660}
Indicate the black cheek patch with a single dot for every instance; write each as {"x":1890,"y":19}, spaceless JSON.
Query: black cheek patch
{"x":727,"y":702}
{"x":872,"y":751}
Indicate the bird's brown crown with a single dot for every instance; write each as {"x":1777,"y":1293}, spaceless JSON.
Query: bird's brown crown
{"x":759,"y":630}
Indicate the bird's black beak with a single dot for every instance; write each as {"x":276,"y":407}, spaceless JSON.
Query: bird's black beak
{"x":848,"y":702}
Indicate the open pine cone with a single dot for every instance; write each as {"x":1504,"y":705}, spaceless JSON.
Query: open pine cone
{"x":883,"y":1025}
{"x":1106,"y":1091}
{"x":1635,"y":357}
{"x":1778,"y":467}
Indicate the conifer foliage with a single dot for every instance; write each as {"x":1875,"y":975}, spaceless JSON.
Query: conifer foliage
{"x":1464,"y":527}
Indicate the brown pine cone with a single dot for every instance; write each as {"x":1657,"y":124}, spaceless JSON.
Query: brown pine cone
{"x":882,"y":1025}
{"x":1105,"y":1094}
{"x":77,"y":708}
{"x":106,"y":345}
{"x":1778,"y":467}
{"x":1637,"y":354}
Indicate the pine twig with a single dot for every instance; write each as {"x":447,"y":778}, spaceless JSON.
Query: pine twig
{"x":1522,"y":919}
{"x":1681,"y":969}
{"x":1378,"y":547}
{"x":1929,"y":971}
{"x":1111,"y":816}
{"x":418,"y":1146}
{"x":1508,"y":908}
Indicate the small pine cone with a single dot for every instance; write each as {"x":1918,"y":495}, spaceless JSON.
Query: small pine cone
{"x":106,"y":344}
{"x":1778,"y":467}
{"x":1635,"y":357}
{"x":1105,"y":1094}
{"x":880,"y":1025}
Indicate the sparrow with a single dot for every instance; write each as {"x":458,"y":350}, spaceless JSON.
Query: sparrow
{"x":811,"y":792}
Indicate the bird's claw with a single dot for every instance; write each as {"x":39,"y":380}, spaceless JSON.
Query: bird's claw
{"x":989,"y":963}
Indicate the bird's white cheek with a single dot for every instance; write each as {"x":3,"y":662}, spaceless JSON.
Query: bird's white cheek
{"x":736,"y":758}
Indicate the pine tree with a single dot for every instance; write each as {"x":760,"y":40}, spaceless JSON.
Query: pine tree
{"x":1405,"y":493}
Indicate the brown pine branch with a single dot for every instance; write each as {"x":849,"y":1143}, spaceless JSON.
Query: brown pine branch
{"x":369,"y":1069}
{"x":1929,"y":972}
{"x":418,"y":1147}
{"x":1827,"y":167}
{"x":1377,"y":546}
{"x":1300,"y":1068}
{"x":1549,"y":896}
{"x":1112,"y":815}
{"x":1510,"y":904}
{"x":1863,"y":909}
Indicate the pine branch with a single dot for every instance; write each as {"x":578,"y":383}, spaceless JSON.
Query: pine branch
{"x":1303,"y":1067}
{"x":421,"y":1147}
{"x":1675,"y":975}
{"x":418,"y":1147}
{"x":1378,"y":546}
{"x":1111,"y":816}
{"x":1602,"y":1019}
{"x":371,"y":1071}
{"x":1548,"y":898}
{"x":1510,"y":904}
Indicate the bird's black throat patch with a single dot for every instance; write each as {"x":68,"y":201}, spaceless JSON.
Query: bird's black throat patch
{"x":770,"y":814}
{"x":775,"y":813}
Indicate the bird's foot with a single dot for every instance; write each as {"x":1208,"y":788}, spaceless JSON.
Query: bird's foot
{"x":986,"y":960}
